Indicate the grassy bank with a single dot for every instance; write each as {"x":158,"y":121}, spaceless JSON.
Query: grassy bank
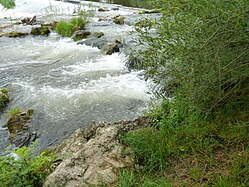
{"x":199,"y":59}
{"x":8,"y":3}
{"x":199,"y":153}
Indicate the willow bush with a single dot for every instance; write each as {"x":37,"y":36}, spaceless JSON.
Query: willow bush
{"x":199,"y":56}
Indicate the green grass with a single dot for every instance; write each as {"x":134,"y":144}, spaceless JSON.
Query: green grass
{"x":14,"y":111}
{"x":8,"y":3}
{"x":68,"y":28}
{"x":131,"y":179}
{"x":195,"y":153}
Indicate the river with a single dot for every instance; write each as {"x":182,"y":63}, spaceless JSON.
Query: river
{"x":67,"y":85}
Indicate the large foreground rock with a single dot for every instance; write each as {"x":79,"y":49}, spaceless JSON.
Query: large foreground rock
{"x":95,"y":155}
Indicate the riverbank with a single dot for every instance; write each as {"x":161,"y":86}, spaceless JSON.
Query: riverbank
{"x":198,"y":137}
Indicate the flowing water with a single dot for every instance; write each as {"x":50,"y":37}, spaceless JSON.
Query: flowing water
{"x":67,"y":85}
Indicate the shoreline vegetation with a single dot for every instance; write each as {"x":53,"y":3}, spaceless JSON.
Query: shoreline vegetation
{"x":8,"y":3}
{"x":198,"y":135}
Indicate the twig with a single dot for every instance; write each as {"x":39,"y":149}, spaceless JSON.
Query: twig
{"x":203,"y":173}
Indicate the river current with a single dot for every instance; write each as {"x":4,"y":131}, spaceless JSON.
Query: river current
{"x":67,"y":85}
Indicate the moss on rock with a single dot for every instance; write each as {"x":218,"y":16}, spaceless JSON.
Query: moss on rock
{"x":4,"y":98}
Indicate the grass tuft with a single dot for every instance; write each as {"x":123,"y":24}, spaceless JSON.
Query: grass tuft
{"x":68,"y":28}
{"x":8,"y":3}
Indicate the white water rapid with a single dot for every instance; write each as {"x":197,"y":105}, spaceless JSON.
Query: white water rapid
{"x":67,"y":85}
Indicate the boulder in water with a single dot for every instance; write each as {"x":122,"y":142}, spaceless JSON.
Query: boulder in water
{"x":103,"y":9}
{"x":80,"y":34}
{"x":4,"y":98}
{"x":18,"y":127}
{"x":43,"y":30}
{"x":109,"y":48}
{"x":97,"y":34}
{"x":119,"y":20}
{"x":50,"y":25}
{"x":15,"y":34}
{"x":95,"y":40}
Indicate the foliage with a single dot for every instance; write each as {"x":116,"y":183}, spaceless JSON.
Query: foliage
{"x":26,"y":170}
{"x":198,"y":59}
{"x":68,"y":28}
{"x":8,"y":3}
{"x":200,"y":56}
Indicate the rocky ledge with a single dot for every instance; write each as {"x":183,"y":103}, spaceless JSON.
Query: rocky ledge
{"x":94,"y":155}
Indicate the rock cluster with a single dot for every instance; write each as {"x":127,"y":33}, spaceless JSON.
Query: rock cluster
{"x":95,"y":155}
{"x":37,"y":29}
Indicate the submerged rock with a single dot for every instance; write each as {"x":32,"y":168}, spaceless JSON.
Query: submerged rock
{"x":97,"y":34}
{"x":95,"y":39}
{"x":18,"y":127}
{"x":79,"y":35}
{"x":42,"y":30}
{"x":103,"y":9}
{"x":50,"y":25}
{"x":4,"y":98}
{"x":15,"y":34}
{"x":119,"y":20}
{"x":109,"y":48}
{"x":96,"y":155}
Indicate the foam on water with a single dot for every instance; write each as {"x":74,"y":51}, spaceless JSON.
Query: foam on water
{"x":29,"y":8}
{"x":109,"y":62}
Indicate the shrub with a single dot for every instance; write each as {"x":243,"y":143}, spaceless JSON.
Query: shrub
{"x":26,"y":170}
{"x":8,"y":3}
{"x":200,"y":55}
{"x":198,"y":58}
{"x":68,"y":28}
